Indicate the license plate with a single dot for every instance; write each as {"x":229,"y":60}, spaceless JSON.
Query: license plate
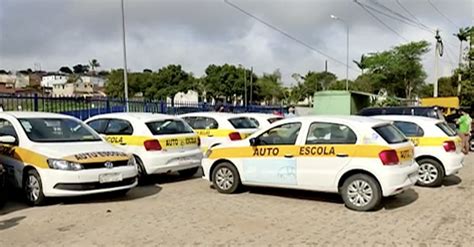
{"x":110,"y":177}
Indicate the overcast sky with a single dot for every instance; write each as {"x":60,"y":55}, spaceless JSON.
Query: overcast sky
{"x":196,"y":33}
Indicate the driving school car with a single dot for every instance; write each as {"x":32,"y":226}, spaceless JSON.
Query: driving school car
{"x":437,"y":147}
{"x":53,"y":155}
{"x":261,"y":120}
{"x":218,"y":127}
{"x":161,"y":143}
{"x":360,"y":158}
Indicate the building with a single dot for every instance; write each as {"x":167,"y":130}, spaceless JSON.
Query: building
{"x":70,"y":89}
{"x":98,"y":82}
{"x":51,"y":79}
{"x":22,"y":80}
{"x":7,"y":83}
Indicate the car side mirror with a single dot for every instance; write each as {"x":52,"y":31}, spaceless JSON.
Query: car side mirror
{"x":8,"y":140}
{"x":253,"y":141}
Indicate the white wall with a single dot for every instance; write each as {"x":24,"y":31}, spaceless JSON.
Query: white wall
{"x":50,"y":80}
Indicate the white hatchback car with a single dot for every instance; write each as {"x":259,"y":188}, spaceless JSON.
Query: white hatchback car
{"x":160,"y":143}
{"x":361,"y":158}
{"x":261,"y":120}
{"x":218,"y":127}
{"x":53,"y":155}
{"x":437,"y":147}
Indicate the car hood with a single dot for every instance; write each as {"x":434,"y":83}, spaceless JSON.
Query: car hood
{"x":82,"y":152}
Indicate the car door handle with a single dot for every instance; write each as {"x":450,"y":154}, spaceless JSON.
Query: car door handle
{"x":210,"y":135}
{"x":123,"y":144}
{"x":342,"y":155}
{"x":289,"y":156}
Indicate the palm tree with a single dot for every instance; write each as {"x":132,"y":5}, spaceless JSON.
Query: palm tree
{"x":94,"y":64}
{"x":462,"y":35}
{"x":362,"y":63}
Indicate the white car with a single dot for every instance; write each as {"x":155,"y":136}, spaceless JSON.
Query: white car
{"x":160,"y":143}
{"x":361,"y":158}
{"x":53,"y":155}
{"x":437,"y":147}
{"x":218,"y":127}
{"x":261,"y":120}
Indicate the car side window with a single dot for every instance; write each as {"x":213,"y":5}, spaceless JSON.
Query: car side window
{"x":255,"y":121}
{"x":330,"y":133}
{"x":7,"y":129}
{"x":202,"y":122}
{"x":119,"y":127}
{"x":285,"y":134}
{"x":98,"y":125}
{"x":409,"y":129}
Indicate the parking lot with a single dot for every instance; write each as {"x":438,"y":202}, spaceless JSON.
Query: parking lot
{"x":170,"y":211}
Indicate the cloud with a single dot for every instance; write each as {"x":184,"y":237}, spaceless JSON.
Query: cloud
{"x":196,"y":33}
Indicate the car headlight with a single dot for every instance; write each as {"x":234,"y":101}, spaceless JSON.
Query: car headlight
{"x":131,"y":161}
{"x":64,"y":165}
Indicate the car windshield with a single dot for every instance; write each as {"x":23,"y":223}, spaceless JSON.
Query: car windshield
{"x":446,"y":129}
{"x":169,"y":127}
{"x":242,"y":123}
{"x":390,"y":134}
{"x":57,"y":130}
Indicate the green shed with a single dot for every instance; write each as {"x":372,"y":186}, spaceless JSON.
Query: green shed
{"x":335,"y":102}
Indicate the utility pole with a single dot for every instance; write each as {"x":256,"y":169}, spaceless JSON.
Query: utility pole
{"x":125,"y":70}
{"x":245,"y":87}
{"x":326,"y":65}
{"x":251,"y":84}
{"x":438,"y":53}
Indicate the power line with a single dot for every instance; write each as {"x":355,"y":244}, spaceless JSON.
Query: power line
{"x":411,"y":14}
{"x":441,"y":13}
{"x":403,"y":17}
{"x":408,"y":22}
{"x":379,"y":20}
{"x":286,"y":34}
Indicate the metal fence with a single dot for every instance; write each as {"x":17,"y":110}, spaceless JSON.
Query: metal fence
{"x":85,"y":107}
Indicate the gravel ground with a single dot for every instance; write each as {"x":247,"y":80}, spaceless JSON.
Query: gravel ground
{"x":174,"y":212}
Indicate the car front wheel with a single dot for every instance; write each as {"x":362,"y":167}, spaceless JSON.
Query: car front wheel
{"x":225,"y":178}
{"x":33,"y":189}
{"x":361,"y":192}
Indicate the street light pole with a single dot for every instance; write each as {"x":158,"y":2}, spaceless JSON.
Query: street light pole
{"x":347,"y":48}
{"x":125,"y":70}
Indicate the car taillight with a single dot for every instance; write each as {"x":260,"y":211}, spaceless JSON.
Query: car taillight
{"x":449,"y":146}
{"x":152,"y":145}
{"x":389,"y":157}
{"x":235,"y":136}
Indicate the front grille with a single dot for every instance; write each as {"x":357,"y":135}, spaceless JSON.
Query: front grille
{"x":94,"y":185}
{"x":101,"y":165}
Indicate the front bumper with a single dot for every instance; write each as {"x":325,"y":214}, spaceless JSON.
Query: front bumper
{"x":396,"y":179}
{"x":57,"y":183}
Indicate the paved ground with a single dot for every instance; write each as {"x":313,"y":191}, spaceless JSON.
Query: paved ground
{"x":173,"y":212}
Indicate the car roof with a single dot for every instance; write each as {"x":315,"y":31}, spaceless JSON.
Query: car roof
{"x":143,"y":116}
{"x":258,"y":114}
{"x":355,"y":120}
{"x":210,"y":114}
{"x":409,"y":118}
{"x":27,"y":114}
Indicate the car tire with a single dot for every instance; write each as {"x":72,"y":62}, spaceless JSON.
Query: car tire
{"x":142,"y":175}
{"x":361,"y":192}
{"x":226,"y":178}
{"x":431,"y":173}
{"x":33,"y":188}
{"x":188,"y":172}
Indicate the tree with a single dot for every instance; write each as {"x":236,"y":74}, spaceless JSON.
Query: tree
{"x":462,"y":35}
{"x":65,"y":69}
{"x":270,"y":89}
{"x":80,"y":68}
{"x":147,"y":71}
{"x":73,"y":78}
{"x":318,"y":81}
{"x":398,"y":70}
{"x":94,"y":64}
{"x":361,"y":64}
